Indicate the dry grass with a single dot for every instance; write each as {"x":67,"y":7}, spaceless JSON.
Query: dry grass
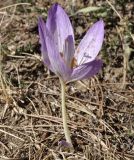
{"x":100,"y":110}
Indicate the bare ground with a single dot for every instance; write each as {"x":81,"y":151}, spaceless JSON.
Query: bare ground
{"x":100,"y":109}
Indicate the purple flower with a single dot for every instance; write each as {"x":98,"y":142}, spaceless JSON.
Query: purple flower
{"x":58,"y":48}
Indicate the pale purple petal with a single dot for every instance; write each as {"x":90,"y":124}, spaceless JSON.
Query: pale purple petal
{"x":69,"y":50}
{"x":86,"y":70}
{"x":59,"y":25}
{"x":57,"y":63}
{"x":91,"y":44}
{"x":41,"y":28}
{"x":63,"y":143}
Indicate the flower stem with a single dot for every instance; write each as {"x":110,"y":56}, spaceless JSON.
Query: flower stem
{"x":64,"y":114}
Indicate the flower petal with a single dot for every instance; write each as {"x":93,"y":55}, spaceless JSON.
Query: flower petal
{"x":91,"y":44}
{"x":69,"y":50}
{"x":59,"y":25}
{"x":41,"y":28}
{"x":86,"y":70}
{"x":57,"y":63}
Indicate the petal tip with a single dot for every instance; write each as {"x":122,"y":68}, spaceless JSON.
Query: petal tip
{"x":55,"y":7}
{"x":100,"y":22}
{"x":41,"y":22}
{"x":40,"y":19}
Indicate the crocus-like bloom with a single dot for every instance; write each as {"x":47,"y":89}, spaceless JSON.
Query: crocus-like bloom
{"x":58,"y":48}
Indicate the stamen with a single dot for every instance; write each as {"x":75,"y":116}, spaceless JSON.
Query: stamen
{"x":73,"y":63}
